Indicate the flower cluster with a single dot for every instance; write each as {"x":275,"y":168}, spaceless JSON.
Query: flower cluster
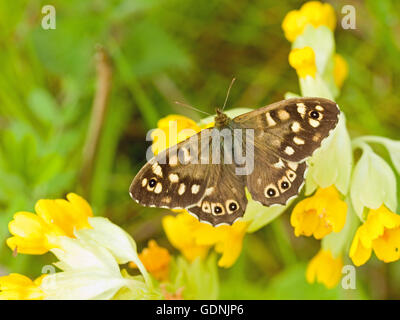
{"x":346,"y":194}
{"x":89,"y":250}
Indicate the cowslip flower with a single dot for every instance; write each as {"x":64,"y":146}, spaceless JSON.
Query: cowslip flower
{"x":172,"y":130}
{"x":38,"y":233}
{"x":314,"y":13}
{"x":89,"y":251}
{"x":325,"y":268}
{"x":320,"y":214}
{"x":90,"y":266}
{"x":379,"y":233}
{"x":303,"y":60}
{"x":180,"y":233}
{"x":156,"y":260}
{"x":19,"y":287}
{"x":340,"y":70}
{"x":194,"y":238}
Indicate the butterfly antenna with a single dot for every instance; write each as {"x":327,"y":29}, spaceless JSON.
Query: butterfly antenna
{"x":227,"y":94}
{"x":191,"y":107}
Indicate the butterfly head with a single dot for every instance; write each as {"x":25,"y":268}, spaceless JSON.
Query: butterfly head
{"x":221,"y":119}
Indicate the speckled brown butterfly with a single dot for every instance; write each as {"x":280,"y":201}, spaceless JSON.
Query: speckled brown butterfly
{"x":285,"y":134}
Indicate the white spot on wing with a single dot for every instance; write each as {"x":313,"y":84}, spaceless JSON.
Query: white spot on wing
{"x":301,"y":108}
{"x":271,"y":122}
{"x":182,"y":189}
{"x":173,"y":177}
{"x":289,"y":150}
{"x":195,"y":188}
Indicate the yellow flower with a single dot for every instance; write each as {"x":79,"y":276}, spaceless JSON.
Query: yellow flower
{"x":156,"y":260}
{"x":180,"y":232}
{"x":312,"y":12}
{"x":172,"y":130}
{"x":319,"y":214}
{"x":303,"y":60}
{"x":193,"y":238}
{"x":324,"y":268}
{"x":19,"y":287}
{"x":340,"y":70}
{"x":380,"y":233}
{"x":38,"y":233}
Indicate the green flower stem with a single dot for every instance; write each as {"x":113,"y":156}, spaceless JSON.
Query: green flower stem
{"x":283,"y":242}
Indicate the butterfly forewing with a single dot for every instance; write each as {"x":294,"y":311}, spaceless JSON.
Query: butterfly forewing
{"x":172,"y":179}
{"x":292,"y":129}
{"x":212,"y":191}
{"x":274,"y":180}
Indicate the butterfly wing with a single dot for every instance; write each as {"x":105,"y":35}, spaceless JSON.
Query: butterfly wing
{"x":275,"y":180}
{"x":285,"y":134}
{"x":184,"y":177}
{"x":292,"y":129}
{"x":224,"y":200}
{"x":172,"y":179}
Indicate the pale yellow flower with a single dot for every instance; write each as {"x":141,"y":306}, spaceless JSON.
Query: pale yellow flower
{"x":380,"y":233}
{"x":303,"y":60}
{"x":320,"y":214}
{"x":19,"y":287}
{"x":38,"y":233}
{"x":325,"y":268}
{"x":312,"y":12}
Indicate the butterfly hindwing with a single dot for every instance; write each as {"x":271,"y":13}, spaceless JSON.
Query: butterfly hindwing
{"x":274,"y":180}
{"x":224,"y":200}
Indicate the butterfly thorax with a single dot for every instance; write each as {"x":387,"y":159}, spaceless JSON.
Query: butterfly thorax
{"x":221,"y":119}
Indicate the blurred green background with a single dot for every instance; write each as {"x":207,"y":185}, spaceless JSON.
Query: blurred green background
{"x":159,"y":51}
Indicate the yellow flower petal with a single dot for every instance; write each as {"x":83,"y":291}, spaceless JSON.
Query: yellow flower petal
{"x":194,"y":238}
{"x":303,"y":60}
{"x":319,"y":214}
{"x":179,"y":231}
{"x":380,"y":233}
{"x":38,"y":233}
{"x":340,"y":70}
{"x":387,"y":247}
{"x":324,"y":268}
{"x":358,"y":253}
{"x":156,"y":260}
{"x":172,"y":130}
{"x":19,"y":287}
{"x":312,"y":12}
